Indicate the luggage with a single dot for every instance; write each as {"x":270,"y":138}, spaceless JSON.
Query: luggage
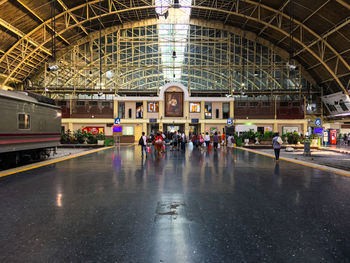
{"x":141,"y":142}
{"x":148,"y":149}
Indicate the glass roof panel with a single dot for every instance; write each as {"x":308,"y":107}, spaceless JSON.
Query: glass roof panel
{"x":173,"y":30}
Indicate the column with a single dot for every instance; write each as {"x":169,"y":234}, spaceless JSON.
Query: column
{"x":145,"y":110}
{"x":161,"y":109}
{"x":186,"y":110}
{"x":232,"y":109}
{"x":275,"y":127}
{"x":144,"y":127}
{"x":70,"y":126}
{"x":187,"y":129}
{"x":305,"y":127}
{"x":202,"y":110}
{"x":202,"y":127}
{"x":115,"y":108}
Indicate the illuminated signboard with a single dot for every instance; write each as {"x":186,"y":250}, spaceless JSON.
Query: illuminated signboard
{"x":195,"y":107}
{"x":153,"y":107}
{"x":93,"y":130}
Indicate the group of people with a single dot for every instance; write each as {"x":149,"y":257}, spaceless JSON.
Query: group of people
{"x":178,"y":140}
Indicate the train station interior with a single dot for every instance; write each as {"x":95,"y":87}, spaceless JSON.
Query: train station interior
{"x":174,"y":131}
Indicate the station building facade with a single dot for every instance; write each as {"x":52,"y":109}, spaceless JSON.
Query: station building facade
{"x":175,"y":109}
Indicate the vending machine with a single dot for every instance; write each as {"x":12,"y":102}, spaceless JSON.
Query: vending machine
{"x":332,"y":137}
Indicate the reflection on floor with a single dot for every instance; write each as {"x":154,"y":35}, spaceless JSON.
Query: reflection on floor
{"x":225,"y":206}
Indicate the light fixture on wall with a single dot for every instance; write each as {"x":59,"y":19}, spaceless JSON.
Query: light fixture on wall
{"x":52,"y":65}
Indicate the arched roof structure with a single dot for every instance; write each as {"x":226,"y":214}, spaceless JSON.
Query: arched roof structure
{"x":315,"y":32}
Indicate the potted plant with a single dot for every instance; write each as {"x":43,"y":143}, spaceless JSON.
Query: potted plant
{"x":91,"y":138}
{"x":100,"y":138}
{"x":79,"y":136}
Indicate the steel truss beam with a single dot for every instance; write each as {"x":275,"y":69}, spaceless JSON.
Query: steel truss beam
{"x":276,"y":26}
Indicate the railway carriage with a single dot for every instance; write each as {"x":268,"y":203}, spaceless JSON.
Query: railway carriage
{"x":30,"y":127}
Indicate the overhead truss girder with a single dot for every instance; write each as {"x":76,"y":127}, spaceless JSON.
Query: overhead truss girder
{"x":254,"y":16}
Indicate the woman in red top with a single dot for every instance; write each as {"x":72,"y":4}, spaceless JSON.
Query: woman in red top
{"x":158,"y":143}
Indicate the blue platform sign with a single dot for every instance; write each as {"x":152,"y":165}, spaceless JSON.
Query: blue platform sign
{"x":117,"y":121}
{"x":194,"y":120}
{"x":318,"y":130}
{"x":318,"y":122}
{"x":152,"y":120}
{"x":229,"y":121}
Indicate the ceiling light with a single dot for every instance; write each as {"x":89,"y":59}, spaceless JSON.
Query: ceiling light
{"x":176,"y":4}
{"x":52,"y":68}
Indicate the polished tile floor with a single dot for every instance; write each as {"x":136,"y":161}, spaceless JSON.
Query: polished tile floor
{"x":114,"y":206}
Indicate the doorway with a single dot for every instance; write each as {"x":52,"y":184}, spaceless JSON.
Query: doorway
{"x":194,"y":128}
{"x":152,"y":128}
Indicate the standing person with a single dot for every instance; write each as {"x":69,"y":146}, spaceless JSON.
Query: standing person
{"x":223,"y":138}
{"x":143,"y":144}
{"x":200,"y":140}
{"x":174,"y":142}
{"x":179,"y":140}
{"x":194,"y":140}
{"x":158,"y":144}
{"x":207,"y":139}
{"x":276,"y":143}
{"x":230,"y":141}
{"x":216,"y":141}
{"x":183,"y":141}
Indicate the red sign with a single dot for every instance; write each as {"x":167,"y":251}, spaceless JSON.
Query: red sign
{"x":333,"y":137}
{"x":94,"y":130}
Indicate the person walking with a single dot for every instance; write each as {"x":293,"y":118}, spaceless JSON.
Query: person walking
{"x":230,"y":141}
{"x":223,"y":138}
{"x":183,"y":141}
{"x":158,"y":144}
{"x":143,"y":143}
{"x":194,"y":140}
{"x":276,"y":143}
{"x":215,"y":141}
{"x":200,"y":140}
{"x":207,"y":140}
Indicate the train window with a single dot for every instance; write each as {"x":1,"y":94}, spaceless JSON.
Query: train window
{"x":106,"y":103}
{"x":62,"y":103}
{"x":284,"y":104}
{"x":92,"y":103}
{"x":23,"y":121}
{"x":241,"y":104}
{"x":296,"y":104}
{"x":266,"y":104}
{"x":254,"y":104}
{"x":80,"y":103}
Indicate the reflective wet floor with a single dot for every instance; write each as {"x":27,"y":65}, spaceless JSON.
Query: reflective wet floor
{"x":114,"y":206}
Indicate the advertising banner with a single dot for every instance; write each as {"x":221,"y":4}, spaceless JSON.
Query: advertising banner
{"x":93,"y":130}
{"x":337,"y":104}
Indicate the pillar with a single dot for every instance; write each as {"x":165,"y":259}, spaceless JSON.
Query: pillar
{"x":186,"y":110}
{"x":202,"y":127}
{"x":161,"y":110}
{"x":115,"y":108}
{"x":144,"y":127}
{"x":70,"y":126}
{"x":305,"y":127}
{"x":275,"y":127}
{"x":187,"y":130}
{"x":232,"y":109}
{"x":144,"y":110}
{"x":202,"y":110}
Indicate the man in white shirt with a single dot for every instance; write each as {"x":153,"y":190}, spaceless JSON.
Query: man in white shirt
{"x":144,"y":146}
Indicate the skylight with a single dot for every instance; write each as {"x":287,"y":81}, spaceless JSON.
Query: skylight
{"x":173,"y":25}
